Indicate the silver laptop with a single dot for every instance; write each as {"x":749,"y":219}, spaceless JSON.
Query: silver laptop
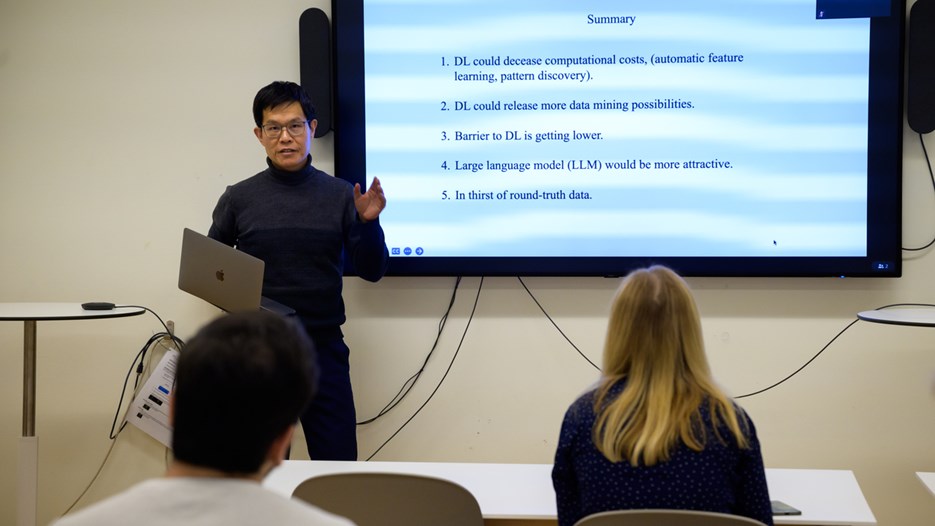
{"x":223,"y":276}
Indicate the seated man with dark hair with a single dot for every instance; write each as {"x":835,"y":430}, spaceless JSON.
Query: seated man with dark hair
{"x":241,"y":383}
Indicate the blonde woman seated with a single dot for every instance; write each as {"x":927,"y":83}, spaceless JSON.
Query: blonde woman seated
{"x":657,"y":432}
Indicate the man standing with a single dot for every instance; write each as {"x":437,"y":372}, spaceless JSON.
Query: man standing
{"x":302,"y":222}
{"x":241,"y":383}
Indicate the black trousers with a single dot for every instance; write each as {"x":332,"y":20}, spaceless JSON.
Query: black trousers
{"x":330,"y":421}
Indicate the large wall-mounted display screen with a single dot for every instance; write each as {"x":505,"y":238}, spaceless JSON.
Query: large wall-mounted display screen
{"x":584,"y":137}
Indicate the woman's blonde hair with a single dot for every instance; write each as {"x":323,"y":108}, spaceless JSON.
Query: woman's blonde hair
{"x":654,"y":342}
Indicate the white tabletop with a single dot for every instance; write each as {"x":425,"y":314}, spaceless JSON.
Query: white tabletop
{"x":524,"y":491}
{"x":825,"y":496}
{"x":915,"y":317}
{"x":928,"y":479}
{"x":60,"y":311}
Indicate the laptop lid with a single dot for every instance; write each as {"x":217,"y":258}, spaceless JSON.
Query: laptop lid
{"x":223,"y":276}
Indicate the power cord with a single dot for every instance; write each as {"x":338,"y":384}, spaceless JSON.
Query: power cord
{"x":158,"y":338}
{"x":797,"y":371}
{"x":407,"y":386}
{"x":567,"y":339}
{"x":411,"y":381}
{"x":147,"y":309}
{"x":480,"y":286}
{"x":849,"y":325}
{"x":140,"y":356}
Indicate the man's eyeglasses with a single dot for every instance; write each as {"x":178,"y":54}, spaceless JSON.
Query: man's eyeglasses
{"x":274,"y":131}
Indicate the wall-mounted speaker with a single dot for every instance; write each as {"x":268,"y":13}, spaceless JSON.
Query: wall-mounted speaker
{"x":920,"y":96}
{"x":315,"y":64}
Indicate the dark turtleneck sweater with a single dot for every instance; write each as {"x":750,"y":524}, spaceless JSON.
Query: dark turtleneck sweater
{"x":301,"y":224}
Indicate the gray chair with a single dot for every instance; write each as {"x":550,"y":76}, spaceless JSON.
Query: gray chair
{"x":665,"y":518}
{"x":392,"y":499}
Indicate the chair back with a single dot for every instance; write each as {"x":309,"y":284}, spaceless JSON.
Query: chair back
{"x":665,"y":518}
{"x":392,"y":499}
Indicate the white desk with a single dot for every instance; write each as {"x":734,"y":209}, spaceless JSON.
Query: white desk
{"x":899,"y":316}
{"x":515,"y":493}
{"x":29,"y":314}
{"x":928,"y":479}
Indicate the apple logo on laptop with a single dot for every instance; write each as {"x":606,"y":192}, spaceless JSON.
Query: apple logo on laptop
{"x":219,"y":275}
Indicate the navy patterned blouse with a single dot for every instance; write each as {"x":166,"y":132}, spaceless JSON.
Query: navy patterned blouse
{"x":721,"y":478}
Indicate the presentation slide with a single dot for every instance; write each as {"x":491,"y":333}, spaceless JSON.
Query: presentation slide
{"x":563,"y":129}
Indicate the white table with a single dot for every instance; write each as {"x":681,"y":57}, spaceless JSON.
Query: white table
{"x":900,"y":316}
{"x":522,"y":493}
{"x":915,"y":317}
{"x":928,"y":479}
{"x":29,"y":314}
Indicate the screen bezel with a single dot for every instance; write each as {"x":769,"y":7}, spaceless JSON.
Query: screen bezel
{"x":884,"y":185}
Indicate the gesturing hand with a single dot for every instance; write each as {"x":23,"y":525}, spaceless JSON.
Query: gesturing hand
{"x":369,"y":204}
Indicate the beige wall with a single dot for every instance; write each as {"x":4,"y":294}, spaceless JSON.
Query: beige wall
{"x":121,"y":123}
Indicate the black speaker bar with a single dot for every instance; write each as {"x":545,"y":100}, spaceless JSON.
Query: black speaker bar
{"x":920,"y":96}
{"x":315,"y":64}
